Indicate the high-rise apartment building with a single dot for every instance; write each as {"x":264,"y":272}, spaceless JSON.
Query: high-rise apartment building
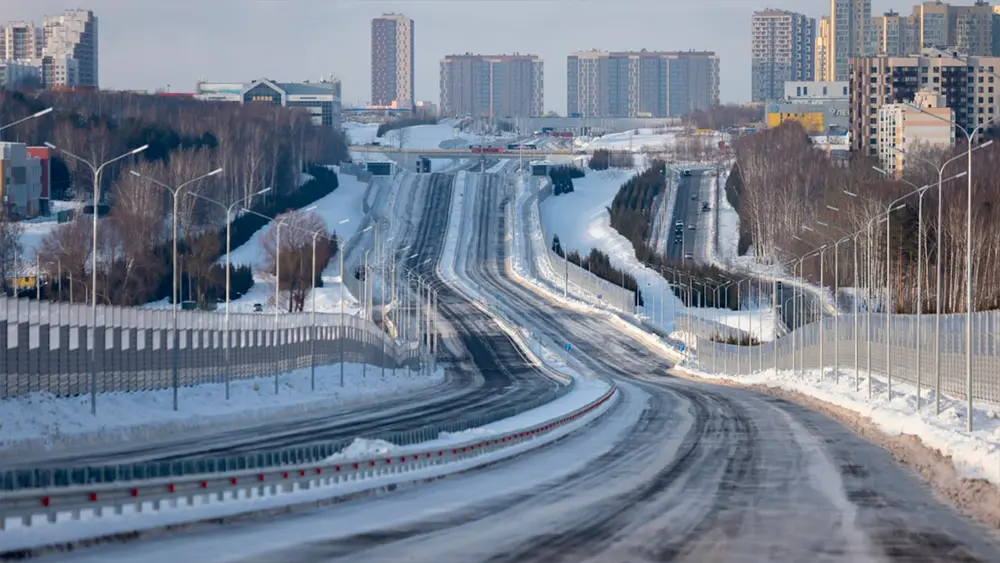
{"x":71,"y":35}
{"x":821,"y":50}
{"x":782,"y":50}
{"x":969,"y":87}
{"x":392,"y":61}
{"x":21,"y":41}
{"x":849,"y":35}
{"x":894,"y":35}
{"x":492,"y":86}
{"x":641,"y":83}
{"x":968,"y":29}
{"x":903,"y":129}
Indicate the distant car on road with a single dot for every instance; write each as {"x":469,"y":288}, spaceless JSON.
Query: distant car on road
{"x":705,"y":206}
{"x":679,"y":224}
{"x":258,"y":308}
{"x":691,"y":227}
{"x":688,"y":256}
{"x":694,"y":197}
{"x":686,"y":173}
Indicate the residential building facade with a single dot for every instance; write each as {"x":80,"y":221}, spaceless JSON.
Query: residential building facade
{"x":808,"y":92}
{"x":969,"y":88}
{"x":783,"y":49}
{"x":641,"y":83}
{"x":392,"y":61}
{"x":492,"y":86}
{"x":821,"y":50}
{"x":14,"y":74}
{"x":849,"y":35}
{"x":71,"y":35}
{"x":322,"y":100}
{"x":20,"y":180}
{"x":968,"y":29}
{"x":21,"y":41}
{"x":903,"y":130}
{"x":894,"y":35}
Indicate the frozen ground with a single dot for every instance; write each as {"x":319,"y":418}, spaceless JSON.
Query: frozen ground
{"x":975,"y":455}
{"x":47,"y":419}
{"x":645,"y":138}
{"x":35,"y":231}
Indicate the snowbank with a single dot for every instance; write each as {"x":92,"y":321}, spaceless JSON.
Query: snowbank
{"x":975,"y":454}
{"x":55,"y":421}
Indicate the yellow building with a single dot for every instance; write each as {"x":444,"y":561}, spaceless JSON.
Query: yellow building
{"x":812,"y":122}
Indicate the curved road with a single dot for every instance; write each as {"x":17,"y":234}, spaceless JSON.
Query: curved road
{"x":696,"y":473}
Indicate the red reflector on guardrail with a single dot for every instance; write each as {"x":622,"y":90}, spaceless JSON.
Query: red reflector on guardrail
{"x":45,"y":501}
{"x":204,"y":484}
{"x":285,"y":475}
{"x":170,"y":487}
{"x":93,"y":497}
{"x":232,"y":481}
{"x":260,"y":477}
{"x":134,"y":492}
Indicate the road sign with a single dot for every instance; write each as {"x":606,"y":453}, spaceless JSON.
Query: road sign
{"x":569,"y":347}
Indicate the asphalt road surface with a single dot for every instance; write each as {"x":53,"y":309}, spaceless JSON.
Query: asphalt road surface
{"x":703,"y":474}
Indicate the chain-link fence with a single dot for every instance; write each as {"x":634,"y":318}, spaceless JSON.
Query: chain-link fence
{"x":576,"y":280}
{"x":53,"y":347}
{"x":846,"y":342}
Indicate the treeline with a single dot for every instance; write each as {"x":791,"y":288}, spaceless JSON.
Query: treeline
{"x":783,"y":183}
{"x":562,"y":178}
{"x":727,"y":115}
{"x":632,"y":208}
{"x":599,"y":264}
{"x":602,"y":159}
{"x":405,"y":122}
{"x":257,"y":147}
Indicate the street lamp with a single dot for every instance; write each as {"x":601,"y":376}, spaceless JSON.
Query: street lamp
{"x":229,"y":209}
{"x":174,"y":192}
{"x":970,"y":137}
{"x":30,"y":117}
{"x":854,"y":300}
{"x":93,"y":263}
{"x":939,"y":267}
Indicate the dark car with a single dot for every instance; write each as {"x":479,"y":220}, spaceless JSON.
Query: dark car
{"x":258,"y":308}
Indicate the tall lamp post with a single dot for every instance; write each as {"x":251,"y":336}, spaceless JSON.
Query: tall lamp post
{"x":836,"y":298}
{"x":229,"y":209}
{"x":96,"y":169}
{"x":939,"y":267}
{"x":854,"y":301}
{"x":174,"y":281}
{"x":29,"y":118}
{"x":970,"y":137}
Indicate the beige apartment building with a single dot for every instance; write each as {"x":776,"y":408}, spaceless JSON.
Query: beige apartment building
{"x":392,"y":61}
{"x":968,"y":87}
{"x":821,"y":50}
{"x":903,"y":130}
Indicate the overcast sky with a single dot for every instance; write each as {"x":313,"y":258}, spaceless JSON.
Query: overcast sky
{"x":148,"y":44}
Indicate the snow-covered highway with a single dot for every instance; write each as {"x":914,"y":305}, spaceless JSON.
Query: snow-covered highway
{"x":678,"y":470}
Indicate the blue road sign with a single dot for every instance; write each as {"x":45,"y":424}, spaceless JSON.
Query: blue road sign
{"x":569,"y":347}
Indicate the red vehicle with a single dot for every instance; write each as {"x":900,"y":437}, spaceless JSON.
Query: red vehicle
{"x":486,"y":150}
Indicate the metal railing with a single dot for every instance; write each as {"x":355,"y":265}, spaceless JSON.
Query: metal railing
{"x":46,"y":347}
{"x":800,"y":349}
{"x":250,"y":476}
{"x":579,"y":280}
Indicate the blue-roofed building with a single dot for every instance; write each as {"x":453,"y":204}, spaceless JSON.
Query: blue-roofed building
{"x":321,"y":99}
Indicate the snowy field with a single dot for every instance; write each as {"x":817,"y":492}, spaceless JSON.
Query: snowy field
{"x":582,"y":222}
{"x":35,"y":231}
{"x":43,"y":419}
{"x":974,"y":455}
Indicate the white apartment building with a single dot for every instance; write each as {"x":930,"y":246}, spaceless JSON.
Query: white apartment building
{"x":783,"y":45}
{"x":849,"y":35}
{"x":72,"y":34}
{"x":902,"y":129}
{"x":816,"y":92}
{"x":20,"y":180}
{"x":21,"y":41}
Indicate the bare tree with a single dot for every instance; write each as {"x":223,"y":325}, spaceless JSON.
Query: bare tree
{"x":10,"y":246}
{"x":296,"y":254}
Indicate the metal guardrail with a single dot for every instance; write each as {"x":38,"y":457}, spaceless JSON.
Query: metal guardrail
{"x":800,"y":349}
{"x":252,"y":479}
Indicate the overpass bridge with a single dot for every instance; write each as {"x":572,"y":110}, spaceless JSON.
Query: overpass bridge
{"x":467,"y":153}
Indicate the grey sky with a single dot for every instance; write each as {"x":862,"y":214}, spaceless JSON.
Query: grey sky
{"x":146,"y":44}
